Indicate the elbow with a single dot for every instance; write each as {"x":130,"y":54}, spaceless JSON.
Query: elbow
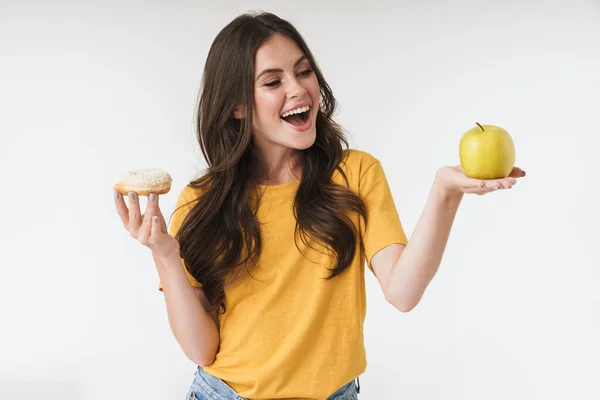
{"x":202,"y":361}
{"x":405,"y":308}
{"x":204,"y":357}
{"x":402,"y":303}
{"x":204,"y":353}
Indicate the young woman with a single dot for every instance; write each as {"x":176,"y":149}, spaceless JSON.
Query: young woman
{"x":262,"y":267}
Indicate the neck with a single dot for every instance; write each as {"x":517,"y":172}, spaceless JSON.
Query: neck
{"x":279,"y":168}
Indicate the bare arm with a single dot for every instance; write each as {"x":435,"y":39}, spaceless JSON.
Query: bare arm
{"x":194,"y":328}
{"x":404,"y":272}
{"x":418,"y":262}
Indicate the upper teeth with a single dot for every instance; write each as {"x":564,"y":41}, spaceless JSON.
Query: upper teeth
{"x":296,"y":111}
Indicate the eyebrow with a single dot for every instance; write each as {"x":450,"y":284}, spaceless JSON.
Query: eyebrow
{"x":266,"y":71}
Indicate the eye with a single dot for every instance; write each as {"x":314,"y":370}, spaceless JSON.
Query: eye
{"x":273,"y":83}
{"x":276,"y":82}
{"x":305,"y":72}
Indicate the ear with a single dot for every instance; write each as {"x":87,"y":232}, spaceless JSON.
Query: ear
{"x":239,"y":112}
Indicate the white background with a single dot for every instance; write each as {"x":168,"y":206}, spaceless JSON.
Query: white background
{"x":89,"y":90}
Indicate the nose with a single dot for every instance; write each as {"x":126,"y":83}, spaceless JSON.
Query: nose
{"x":295,"y":89}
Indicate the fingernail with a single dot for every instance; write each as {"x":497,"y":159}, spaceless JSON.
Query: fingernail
{"x":152,"y":197}
{"x":131,"y":196}
{"x":116,"y":194}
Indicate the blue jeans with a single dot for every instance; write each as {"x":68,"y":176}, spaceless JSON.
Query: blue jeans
{"x":208,"y":387}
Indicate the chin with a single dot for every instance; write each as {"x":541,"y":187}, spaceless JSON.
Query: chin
{"x":306,"y":141}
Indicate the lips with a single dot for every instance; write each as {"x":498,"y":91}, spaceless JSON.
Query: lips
{"x":296,"y":119}
{"x":299,"y":122}
{"x":302,"y":107}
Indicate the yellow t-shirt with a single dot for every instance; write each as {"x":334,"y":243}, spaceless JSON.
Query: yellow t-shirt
{"x":289,"y":333}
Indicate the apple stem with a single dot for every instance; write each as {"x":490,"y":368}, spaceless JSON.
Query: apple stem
{"x":480,"y":126}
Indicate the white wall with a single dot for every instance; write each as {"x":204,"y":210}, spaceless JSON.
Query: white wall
{"x":88,"y":90}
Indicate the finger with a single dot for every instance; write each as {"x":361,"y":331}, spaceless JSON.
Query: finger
{"x":121,"y":208}
{"x":517,"y":173}
{"x":506,"y":183}
{"x":152,"y":211}
{"x":482,"y":189}
{"x":149,"y":209}
{"x":134,"y":213}
{"x":149,"y":214}
{"x":152,"y":206}
{"x":162,"y":223}
{"x":478,"y":184}
{"x":145,"y":230}
{"x":471,"y":184}
{"x":155,"y":208}
{"x":500,"y":184}
{"x":491,"y":184}
{"x":156,"y":230}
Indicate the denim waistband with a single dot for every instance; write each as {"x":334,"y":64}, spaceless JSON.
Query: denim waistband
{"x":215,"y":389}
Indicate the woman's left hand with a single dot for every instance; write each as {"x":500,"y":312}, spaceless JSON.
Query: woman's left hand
{"x":454,"y":180}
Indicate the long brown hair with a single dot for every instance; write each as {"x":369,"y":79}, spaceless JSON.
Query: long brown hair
{"x":221,"y":235}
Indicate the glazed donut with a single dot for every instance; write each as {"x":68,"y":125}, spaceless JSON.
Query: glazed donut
{"x":143,"y":182}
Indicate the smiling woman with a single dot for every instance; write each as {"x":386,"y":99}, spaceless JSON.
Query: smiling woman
{"x":285,"y":90}
{"x":275,"y":223}
{"x":263,"y":266}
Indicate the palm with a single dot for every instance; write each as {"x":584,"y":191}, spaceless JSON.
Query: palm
{"x":455,"y":179}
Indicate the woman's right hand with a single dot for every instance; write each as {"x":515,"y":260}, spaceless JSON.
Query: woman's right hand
{"x":150,"y":228}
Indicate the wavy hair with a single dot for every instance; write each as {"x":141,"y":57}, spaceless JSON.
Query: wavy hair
{"x":220,"y":237}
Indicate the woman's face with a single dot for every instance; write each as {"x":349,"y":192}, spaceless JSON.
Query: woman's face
{"x":284,"y":82}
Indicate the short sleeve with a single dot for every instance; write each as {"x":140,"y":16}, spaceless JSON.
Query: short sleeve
{"x":184,"y":204}
{"x":383,"y":222}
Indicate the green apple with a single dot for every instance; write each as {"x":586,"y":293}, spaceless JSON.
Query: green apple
{"x":486,"y":152}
